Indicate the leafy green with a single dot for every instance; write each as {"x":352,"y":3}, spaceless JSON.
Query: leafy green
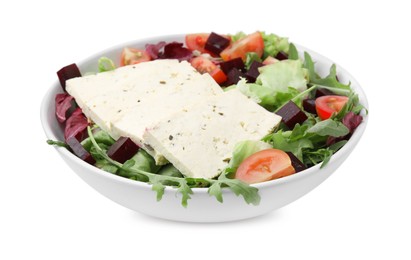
{"x":57,"y":143}
{"x":250,"y":57}
{"x":295,"y":143}
{"x":145,"y":162}
{"x":237,"y":36}
{"x":329,"y":127}
{"x":105,"y":64}
{"x":293,"y":52}
{"x":281,"y":75}
{"x":277,"y":84}
{"x":170,"y":170}
{"x":249,"y":193}
{"x":101,"y":137}
{"x":329,"y":81}
{"x":273,"y":44}
{"x":353,"y":105}
{"x":133,"y":170}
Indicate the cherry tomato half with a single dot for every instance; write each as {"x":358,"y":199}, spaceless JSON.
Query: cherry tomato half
{"x":251,"y":43}
{"x":327,"y":105}
{"x":133,"y":56}
{"x":196,"y":42}
{"x":265,"y":165}
{"x":204,"y":65}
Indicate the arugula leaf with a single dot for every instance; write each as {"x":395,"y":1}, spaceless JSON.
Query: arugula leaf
{"x":57,"y":143}
{"x":159,"y":189}
{"x":293,"y":52}
{"x":133,"y":170}
{"x":329,"y":81}
{"x":101,"y":137}
{"x":288,"y":142}
{"x":215,"y":190}
{"x":249,"y":193}
{"x":329,"y":127}
{"x":185,"y":191}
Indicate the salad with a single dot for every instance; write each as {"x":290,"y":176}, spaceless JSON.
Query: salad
{"x":318,"y":114}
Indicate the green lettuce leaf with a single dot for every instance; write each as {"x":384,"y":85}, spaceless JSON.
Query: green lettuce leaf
{"x":273,"y":44}
{"x":277,"y":84}
{"x":281,"y":75}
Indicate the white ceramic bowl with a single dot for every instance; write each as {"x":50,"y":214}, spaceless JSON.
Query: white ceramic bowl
{"x":138,"y":196}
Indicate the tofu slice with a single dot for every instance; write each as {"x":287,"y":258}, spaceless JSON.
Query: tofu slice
{"x":125,"y":101}
{"x":199,"y":141}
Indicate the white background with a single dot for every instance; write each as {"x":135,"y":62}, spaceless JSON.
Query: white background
{"x":361,"y":212}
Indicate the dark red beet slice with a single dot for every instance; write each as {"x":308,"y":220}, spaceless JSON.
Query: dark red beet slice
{"x":122,"y":150}
{"x":281,"y":56}
{"x":296,"y":163}
{"x":66,"y":73}
{"x":233,"y":77}
{"x":79,"y":150}
{"x":291,"y":114}
{"x":231,"y":64}
{"x":309,"y":105}
{"x":323,"y":92}
{"x":216,"y":43}
{"x":253,"y":72}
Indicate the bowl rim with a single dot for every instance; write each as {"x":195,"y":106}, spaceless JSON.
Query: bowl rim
{"x":291,"y":178}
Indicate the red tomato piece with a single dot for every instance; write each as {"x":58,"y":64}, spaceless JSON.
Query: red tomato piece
{"x":196,"y":42}
{"x":251,"y":43}
{"x":327,"y":105}
{"x":204,"y":65}
{"x":265,"y":165}
{"x":131,"y":56}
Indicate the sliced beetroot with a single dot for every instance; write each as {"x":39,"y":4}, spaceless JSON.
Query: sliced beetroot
{"x":323,"y":92}
{"x":66,"y":73}
{"x":233,"y":77}
{"x":154,"y":49}
{"x":76,"y":126}
{"x":296,"y":163}
{"x":175,"y":50}
{"x":351,"y":121}
{"x":122,"y":150}
{"x":79,"y":150}
{"x":309,"y":105}
{"x":216,"y":43}
{"x":253,"y":71}
{"x":63,"y":103}
{"x":281,"y":56}
{"x":291,"y":114}
{"x":227,"y":66}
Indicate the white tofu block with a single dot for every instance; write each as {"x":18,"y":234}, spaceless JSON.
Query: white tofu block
{"x":199,"y":140}
{"x":125,"y":101}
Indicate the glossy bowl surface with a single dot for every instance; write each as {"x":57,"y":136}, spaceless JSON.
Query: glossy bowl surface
{"x":138,"y":196}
